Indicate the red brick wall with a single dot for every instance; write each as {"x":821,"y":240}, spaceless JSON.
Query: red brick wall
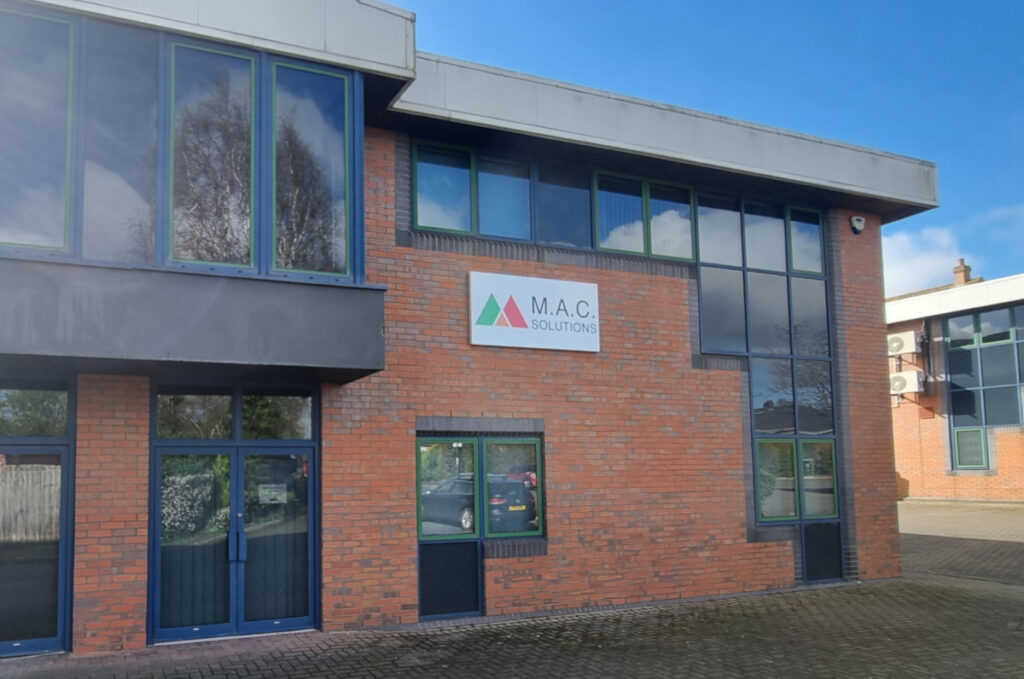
{"x":111,"y":513}
{"x":860,"y":324}
{"x":644,"y":454}
{"x":921,"y":437}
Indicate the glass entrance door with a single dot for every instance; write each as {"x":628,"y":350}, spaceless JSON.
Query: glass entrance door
{"x":234,"y":547}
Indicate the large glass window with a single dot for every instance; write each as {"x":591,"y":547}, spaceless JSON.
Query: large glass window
{"x":805,"y":241}
{"x":986,"y":370}
{"x":443,"y":190}
{"x":620,"y":215}
{"x":764,"y":236}
{"x":637,"y":216}
{"x":479,"y":488}
{"x":137,"y":147}
{"x":718,"y":230}
{"x":722,"y":309}
{"x":563,"y":206}
{"x":504,"y":199}
{"x":768,"y":302}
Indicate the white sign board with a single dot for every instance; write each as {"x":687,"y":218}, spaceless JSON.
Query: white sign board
{"x":533,"y":313}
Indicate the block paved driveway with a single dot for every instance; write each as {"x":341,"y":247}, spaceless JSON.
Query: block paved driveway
{"x":942,"y":619}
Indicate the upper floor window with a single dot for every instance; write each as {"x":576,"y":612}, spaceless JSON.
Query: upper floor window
{"x":132,"y":146}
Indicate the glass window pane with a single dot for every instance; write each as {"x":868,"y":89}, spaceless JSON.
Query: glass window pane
{"x":277,"y":417}
{"x":966,"y":408}
{"x":810,"y":318}
{"x":33,"y":412}
{"x":722,"y":323}
{"x":776,"y":482}
{"x":771,"y":393}
{"x":212,"y":157}
{"x":995,"y":325}
{"x":563,"y":206}
{"x":805,"y":241}
{"x":963,"y":369}
{"x":193,"y":416}
{"x":35,"y":78}
{"x":443,"y":190}
{"x":120,"y":131}
{"x":961,"y":330}
{"x":1020,"y":361}
{"x":814,"y":397}
{"x":195,"y":494}
{"x":30,"y":489}
{"x":620,"y":215}
{"x":310,"y":173}
{"x":504,"y":190}
{"x":764,"y":232}
{"x":1018,"y":316}
{"x":1001,"y":406}
{"x":671,"y":230}
{"x":998,"y":365}
{"x":817,"y":469}
{"x":718,"y":230}
{"x":447,"y":488}
{"x":970,"y":448}
{"x":769,"y":313}
{"x":513,"y":469}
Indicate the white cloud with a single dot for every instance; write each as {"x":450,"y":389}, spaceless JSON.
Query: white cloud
{"x":431,"y":213}
{"x":670,"y":234}
{"x":1001,"y":224}
{"x":629,"y":236}
{"x":916,"y":260}
{"x":35,"y":217}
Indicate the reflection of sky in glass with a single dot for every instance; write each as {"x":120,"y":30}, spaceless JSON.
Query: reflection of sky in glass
{"x":995,"y":325}
{"x":563,"y":206}
{"x":620,"y":214}
{"x":771,"y":392}
{"x":504,"y":191}
{"x":313,"y":106}
{"x":722,"y":325}
{"x":765,"y":237}
{"x":769,"y":313}
{"x":671,"y":231}
{"x":805,"y":233}
{"x":120,"y":120}
{"x":814,"y":397}
{"x":961,"y":330}
{"x":810,"y":320}
{"x":442,"y":190}
{"x":718,"y":231}
{"x":212,"y":171}
{"x":34,"y":77}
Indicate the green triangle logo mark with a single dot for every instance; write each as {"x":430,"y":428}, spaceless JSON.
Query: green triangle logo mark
{"x":490,"y":312}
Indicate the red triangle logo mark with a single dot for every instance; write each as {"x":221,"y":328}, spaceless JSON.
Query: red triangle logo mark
{"x":513,"y":314}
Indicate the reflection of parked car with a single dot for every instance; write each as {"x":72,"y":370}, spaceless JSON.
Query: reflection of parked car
{"x":525,"y":474}
{"x":511,"y":507}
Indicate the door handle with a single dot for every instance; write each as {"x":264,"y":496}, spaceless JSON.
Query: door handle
{"x":243,"y":546}
{"x":232,"y":547}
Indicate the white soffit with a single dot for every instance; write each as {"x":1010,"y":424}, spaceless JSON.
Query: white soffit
{"x":962,"y":298}
{"x":480,"y":95}
{"x":363,"y":34}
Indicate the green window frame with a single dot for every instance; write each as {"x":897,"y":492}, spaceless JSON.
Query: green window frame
{"x":645,"y":215}
{"x":961,"y":438}
{"x":798,"y":495}
{"x":503,"y":504}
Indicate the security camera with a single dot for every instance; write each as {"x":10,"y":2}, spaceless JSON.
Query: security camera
{"x":857,"y":224}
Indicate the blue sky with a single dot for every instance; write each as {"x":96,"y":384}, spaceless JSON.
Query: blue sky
{"x":940,"y":80}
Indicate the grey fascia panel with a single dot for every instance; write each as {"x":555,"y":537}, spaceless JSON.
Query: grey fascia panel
{"x":480,"y":95}
{"x":114,"y":314}
{"x":366,"y":35}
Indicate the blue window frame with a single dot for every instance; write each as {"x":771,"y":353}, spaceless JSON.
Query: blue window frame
{"x":160,"y":150}
{"x":984,"y":356}
{"x":36,"y":478}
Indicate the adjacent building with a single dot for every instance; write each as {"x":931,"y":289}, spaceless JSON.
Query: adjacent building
{"x":957,"y":366}
{"x":305,"y":329}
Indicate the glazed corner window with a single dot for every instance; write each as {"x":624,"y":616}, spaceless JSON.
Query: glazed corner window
{"x":791,"y":486}
{"x":161,"y":150}
{"x":479,"y":487}
{"x":641,"y":217}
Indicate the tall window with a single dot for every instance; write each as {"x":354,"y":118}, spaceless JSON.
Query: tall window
{"x":153,"y":149}
{"x":986,"y":371}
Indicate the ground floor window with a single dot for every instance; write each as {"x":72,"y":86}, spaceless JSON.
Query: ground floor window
{"x":471,"y":490}
{"x":796,"y":480}
{"x":35,"y":433}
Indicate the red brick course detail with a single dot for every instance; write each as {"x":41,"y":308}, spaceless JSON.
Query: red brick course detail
{"x":861,"y":320}
{"x":111,"y":513}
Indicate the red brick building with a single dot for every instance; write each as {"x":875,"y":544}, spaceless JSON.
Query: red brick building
{"x":307,"y":330}
{"x":956,"y":362}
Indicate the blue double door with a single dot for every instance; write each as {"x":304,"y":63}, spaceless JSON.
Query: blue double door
{"x":234,"y":541}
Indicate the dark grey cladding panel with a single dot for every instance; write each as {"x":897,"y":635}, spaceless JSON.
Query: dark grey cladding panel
{"x":160,"y":317}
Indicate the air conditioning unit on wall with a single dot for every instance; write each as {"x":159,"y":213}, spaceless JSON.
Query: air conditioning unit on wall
{"x":907,"y":382}
{"x":900,"y":343}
